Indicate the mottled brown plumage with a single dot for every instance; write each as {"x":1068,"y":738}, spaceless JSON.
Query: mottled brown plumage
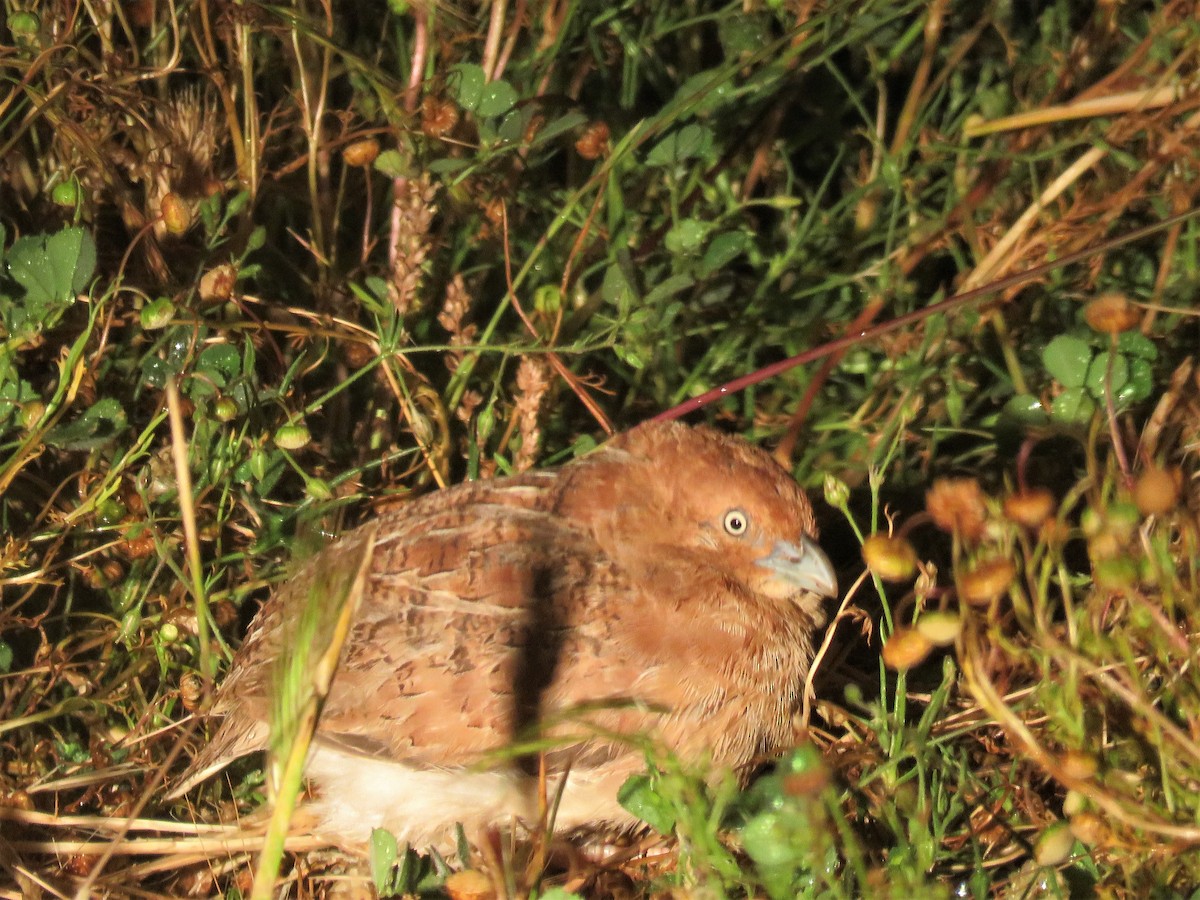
{"x":667,"y":584}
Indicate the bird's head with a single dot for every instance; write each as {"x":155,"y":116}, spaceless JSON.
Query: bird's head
{"x":721,"y":498}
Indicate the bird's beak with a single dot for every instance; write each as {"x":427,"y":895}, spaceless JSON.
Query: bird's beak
{"x":799,"y":566}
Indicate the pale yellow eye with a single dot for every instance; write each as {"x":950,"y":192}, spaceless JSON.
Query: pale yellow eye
{"x":736,"y":522}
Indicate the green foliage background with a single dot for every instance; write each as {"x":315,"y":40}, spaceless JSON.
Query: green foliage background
{"x":384,"y":247}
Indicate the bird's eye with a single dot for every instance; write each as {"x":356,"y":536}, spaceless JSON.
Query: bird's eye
{"x":736,"y":522}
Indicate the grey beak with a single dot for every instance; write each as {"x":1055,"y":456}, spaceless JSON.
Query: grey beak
{"x":804,"y":565}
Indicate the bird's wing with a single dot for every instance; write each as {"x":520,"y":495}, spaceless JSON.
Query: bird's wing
{"x":484,"y":612}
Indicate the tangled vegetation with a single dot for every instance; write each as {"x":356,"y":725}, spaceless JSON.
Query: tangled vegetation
{"x":309,"y":260}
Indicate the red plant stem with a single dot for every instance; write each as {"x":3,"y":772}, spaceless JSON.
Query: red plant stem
{"x":947,"y":305}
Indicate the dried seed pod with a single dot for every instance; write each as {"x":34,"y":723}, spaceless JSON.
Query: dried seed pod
{"x":216,"y":285}
{"x":243,"y":882}
{"x":175,"y":213}
{"x":137,"y":542}
{"x":1156,"y":490}
{"x":1111,"y":314}
{"x":1090,"y":829}
{"x":1078,"y":764}
{"x":1029,"y":508}
{"x":956,"y":505}
{"x":532,"y":129}
{"x":438,"y":116}
{"x":469,"y":884}
{"x":1054,"y":845}
{"x":987,"y":582}
{"x":93,"y":577}
{"x":1073,"y":804}
{"x":905,"y":648}
{"x":357,"y":354}
{"x":191,"y":691}
{"x":186,"y":407}
{"x":891,"y":558}
{"x":361,"y":154}
{"x":866,"y":212}
{"x":593,"y":143}
{"x":940,"y":627}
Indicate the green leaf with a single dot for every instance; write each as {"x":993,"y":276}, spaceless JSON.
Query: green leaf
{"x":209,"y":211}
{"x":722,"y":250}
{"x":667,"y":289}
{"x":383,"y":854}
{"x":466,"y":84}
{"x":1140,"y":384}
{"x":220,"y":362}
{"x":1097,"y":374}
{"x":706,"y":91}
{"x":616,"y":288}
{"x":583,"y":445}
{"x":448,"y":166}
{"x":392,"y":163}
{"x":637,"y":796}
{"x":955,"y":403}
{"x":464,"y":846}
{"x":14,"y":393}
{"x":630,"y":355}
{"x":745,"y":33}
{"x":103,"y":421}
{"x":156,"y":371}
{"x":561,"y":125}
{"x":237,"y":203}
{"x":688,"y":142}
{"x":262,"y":471}
{"x":513,"y":126}
{"x":496,"y":98}
{"x":179,"y":345}
{"x":50,"y":270}
{"x":1067,"y":358}
{"x":1073,"y":406}
{"x":258,"y":237}
{"x":218,"y":366}
{"x":686,"y":237}
{"x":1134,"y":343}
{"x":77,"y":250}
{"x":767,"y":840}
{"x":6,"y":657}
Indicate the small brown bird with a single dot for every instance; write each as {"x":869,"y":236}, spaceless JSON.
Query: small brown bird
{"x":667,"y":585}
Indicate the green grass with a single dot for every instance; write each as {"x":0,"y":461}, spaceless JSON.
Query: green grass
{"x":606,"y":210}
